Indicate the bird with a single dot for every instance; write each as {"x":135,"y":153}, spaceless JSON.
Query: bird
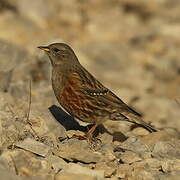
{"x":82,"y":95}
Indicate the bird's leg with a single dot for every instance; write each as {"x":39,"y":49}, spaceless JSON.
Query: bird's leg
{"x":88,"y":134}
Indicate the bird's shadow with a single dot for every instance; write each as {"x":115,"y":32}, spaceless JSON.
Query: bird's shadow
{"x":69,"y":123}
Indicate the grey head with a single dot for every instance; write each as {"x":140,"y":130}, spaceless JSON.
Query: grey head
{"x":60,"y":53}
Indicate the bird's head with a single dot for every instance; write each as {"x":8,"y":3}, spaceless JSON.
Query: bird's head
{"x":60,"y":53}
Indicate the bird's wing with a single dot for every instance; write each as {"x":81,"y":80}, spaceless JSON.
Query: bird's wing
{"x":90,"y":88}
{"x":93,"y":87}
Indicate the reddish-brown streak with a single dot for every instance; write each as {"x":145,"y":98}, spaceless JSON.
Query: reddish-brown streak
{"x":75,"y":103}
{"x":69,"y":96}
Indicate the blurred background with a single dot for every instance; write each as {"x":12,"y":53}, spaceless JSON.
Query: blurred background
{"x":130,"y":46}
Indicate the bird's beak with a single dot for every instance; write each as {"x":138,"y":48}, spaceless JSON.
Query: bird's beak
{"x":45,"y":48}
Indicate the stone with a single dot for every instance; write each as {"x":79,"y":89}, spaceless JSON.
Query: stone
{"x":154,"y":163}
{"x":109,"y":172}
{"x":171,"y":165}
{"x":34,"y":147}
{"x":6,"y":161}
{"x":77,"y":169}
{"x":140,"y":165}
{"x":129,"y":157}
{"x":56,"y":163}
{"x":139,"y":131}
{"x":70,"y":133}
{"x":123,"y":171}
{"x":72,"y":176}
{"x":8,"y":175}
{"x":110,"y":156}
{"x":168,"y":149}
{"x":170,"y":176}
{"x":75,"y":150}
{"x":142,"y":174}
{"x":25,"y":164}
{"x":152,"y":138}
{"x":109,"y":168}
{"x":146,"y":155}
{"x":105,"y":137}
{"x":133,"y":144}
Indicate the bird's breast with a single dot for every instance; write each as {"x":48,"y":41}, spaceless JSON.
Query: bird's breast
{"x":75,"y":102}
{"x":70,"y":96}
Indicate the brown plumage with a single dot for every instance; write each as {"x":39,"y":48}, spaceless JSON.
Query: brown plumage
{"x":81,"y":95}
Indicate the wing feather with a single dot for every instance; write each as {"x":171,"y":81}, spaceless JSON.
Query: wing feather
{"x":93,"y":87}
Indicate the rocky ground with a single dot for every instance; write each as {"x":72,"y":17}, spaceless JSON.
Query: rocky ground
{"x":130,"y":46}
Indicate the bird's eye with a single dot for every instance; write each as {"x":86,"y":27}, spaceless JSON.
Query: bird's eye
{"x":63,"y":55}
{"x":56,"y":50}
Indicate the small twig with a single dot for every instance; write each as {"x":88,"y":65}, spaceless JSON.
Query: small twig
{"x":30,"y":100}
{"x":15,"y":167}
{"x":29,"y":110}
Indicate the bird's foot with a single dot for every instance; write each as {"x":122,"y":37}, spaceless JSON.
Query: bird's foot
{"x":87,"y":136}
{"x":80,"y":137}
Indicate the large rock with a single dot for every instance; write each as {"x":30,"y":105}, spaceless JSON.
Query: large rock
{"x":75,"y":150}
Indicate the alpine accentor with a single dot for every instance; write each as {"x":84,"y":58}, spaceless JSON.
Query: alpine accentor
{"x":81,"y":95}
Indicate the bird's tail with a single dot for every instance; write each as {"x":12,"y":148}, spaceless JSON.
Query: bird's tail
{"x":136,"y":118}
{"x":139,"y":121}
{"x":146,"y":126}
{"x":133,"y":118}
